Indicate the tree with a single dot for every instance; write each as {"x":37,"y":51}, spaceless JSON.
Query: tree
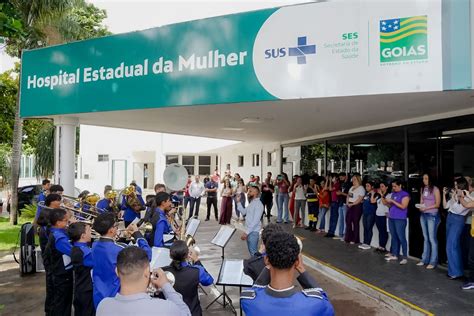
{"x":44,"y":150}
{"x":46,"y":22}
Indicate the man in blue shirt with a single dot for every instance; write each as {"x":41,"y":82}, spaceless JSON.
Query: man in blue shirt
{"x":132,"y":207}
{"x":108,"y":203}
{"x":159,"y":220}
{"x":105,"y":251}
{"x":253,"y":214}
{"x":211,"y":189}
{"x":280,"y":297}
{"x":46,"y":184}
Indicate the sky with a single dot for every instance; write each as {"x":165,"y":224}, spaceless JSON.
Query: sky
{"x":126,"y":16}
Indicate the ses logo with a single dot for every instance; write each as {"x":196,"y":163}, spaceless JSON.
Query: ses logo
{"x":300,"y":51}
{"x":404,"y":39}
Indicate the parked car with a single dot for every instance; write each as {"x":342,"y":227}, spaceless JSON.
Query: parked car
{"x":28,"y":194}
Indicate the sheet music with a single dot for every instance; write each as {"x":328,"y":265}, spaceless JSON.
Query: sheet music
{"x":193,"y":226}
{"x":160,"y":258}
{"x":223,"y":236}
{"x":232,"y":271}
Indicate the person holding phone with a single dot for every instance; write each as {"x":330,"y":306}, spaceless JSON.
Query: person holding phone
{"x":454,"y":226}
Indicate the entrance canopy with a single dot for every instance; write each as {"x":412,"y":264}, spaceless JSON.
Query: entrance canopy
{"x":271,"y":75}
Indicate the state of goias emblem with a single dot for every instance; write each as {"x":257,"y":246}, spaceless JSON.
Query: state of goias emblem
{"x":404,"y":39}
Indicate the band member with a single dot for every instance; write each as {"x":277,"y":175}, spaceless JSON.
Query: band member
{"x":159,"y":220}
{"x":46,"y":184}
{"x":255,"y":264}
{"x":280,"y":297}
{"x":109,"y":202}
{"x":43,"y":222}
{"x":105,"y":251}
{"x":132,"y":205}
{"x":56,"y":188}
{"x":58,"y":260}
{"x":82,"y":262}
{"x":133,"y":269}
{"x":159,"y":187}
{"x":187,"y":276}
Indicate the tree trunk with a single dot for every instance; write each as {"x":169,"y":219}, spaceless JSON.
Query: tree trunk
{"x":16,"y":157}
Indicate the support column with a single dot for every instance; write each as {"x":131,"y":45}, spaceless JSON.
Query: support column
{"x":319,"y":165}
{"x":357,"y":165}
{"x":332,"y":165}
{"x":65,"y":152}
{"x":361,"y":168}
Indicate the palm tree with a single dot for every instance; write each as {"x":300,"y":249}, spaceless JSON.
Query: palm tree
{"x":44,"y":22}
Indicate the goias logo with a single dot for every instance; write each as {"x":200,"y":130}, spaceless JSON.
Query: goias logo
{"x":404,"y":39}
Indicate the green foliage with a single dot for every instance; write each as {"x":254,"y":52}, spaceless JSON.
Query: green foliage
{"x":8,"y":92}
{"x":29,"y":211}
{"x":89,"y":18}
{"x":5,"y":169}
{"x":9,"y":233}
{"x":310,"y":154}
{"x":10,"y":23}
{"x":44,"y":150}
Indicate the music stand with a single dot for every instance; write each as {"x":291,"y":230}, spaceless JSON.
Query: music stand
{"x":231,"y":274}
{"x":221,"y":239}
{"x":192,"y":227}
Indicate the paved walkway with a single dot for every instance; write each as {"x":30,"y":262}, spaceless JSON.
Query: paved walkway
{"x":25,"y":296}
{"x":430,"y":290}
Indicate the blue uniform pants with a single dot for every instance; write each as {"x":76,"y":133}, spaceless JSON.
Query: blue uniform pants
{"x":368,"y":219}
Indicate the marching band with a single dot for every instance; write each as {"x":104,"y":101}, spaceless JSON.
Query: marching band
{"x":87,"y":245}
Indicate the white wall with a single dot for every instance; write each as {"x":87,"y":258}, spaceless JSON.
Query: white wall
{"x":229,"y":155}
{"x":133,"y":147}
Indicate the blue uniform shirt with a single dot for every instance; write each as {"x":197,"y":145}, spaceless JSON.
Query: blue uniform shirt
{"x":162,"y":227}
{"x":62,"y":244}
{"x":104,"y":204}
{"x":129,"y":215}
{"x":204,"y":277}
{"x":262,"y":300}
{"x":88,"y":261}
{"x":104,"y":253}
{"x":41,"y":198}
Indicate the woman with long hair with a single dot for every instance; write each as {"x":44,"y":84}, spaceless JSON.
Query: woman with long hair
{"x":323,"y":196}
{"x":430,"y":200}
{"x":397,"y":214}
{"x":240,"y":190}
{"x":283,"y":188}
{"x":354,"y":210}
{"x":226,"y":204}
{"x":291,"y":204}
{"x":381,"y":214}
{"x":454,"y":226}
{"x":187,"y":275}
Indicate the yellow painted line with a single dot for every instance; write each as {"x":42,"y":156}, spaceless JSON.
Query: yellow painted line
{"x":374,"y":287}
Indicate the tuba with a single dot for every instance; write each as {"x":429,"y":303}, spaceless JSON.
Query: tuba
{"x":131,"y":198}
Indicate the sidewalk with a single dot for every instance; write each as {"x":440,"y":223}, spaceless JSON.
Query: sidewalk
{"x":428,"y":290}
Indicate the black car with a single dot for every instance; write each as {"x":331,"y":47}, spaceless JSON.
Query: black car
{"x":27,"y":195}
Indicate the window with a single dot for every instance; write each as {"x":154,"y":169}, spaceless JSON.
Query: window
{"x":240,"y":162}
{"x":103,"y":158}
{"x":204,"y":170}
{"x":204,"y":165}
{"x":171,"y":159}
{"x":255,"y":160}
{"x":271,"y":158}
{"x":204,"y":160}
{"x":188,"y":163}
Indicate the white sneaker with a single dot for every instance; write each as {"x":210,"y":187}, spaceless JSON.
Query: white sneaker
{"x":391,"y":258}
{"x":336,"y":238}
{"x":364,"y":247}
{"x":420,"y":264}
{"x":404,"y":261}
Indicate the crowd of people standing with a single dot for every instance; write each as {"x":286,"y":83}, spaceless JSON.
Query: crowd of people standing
{"x":305,"y":201}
